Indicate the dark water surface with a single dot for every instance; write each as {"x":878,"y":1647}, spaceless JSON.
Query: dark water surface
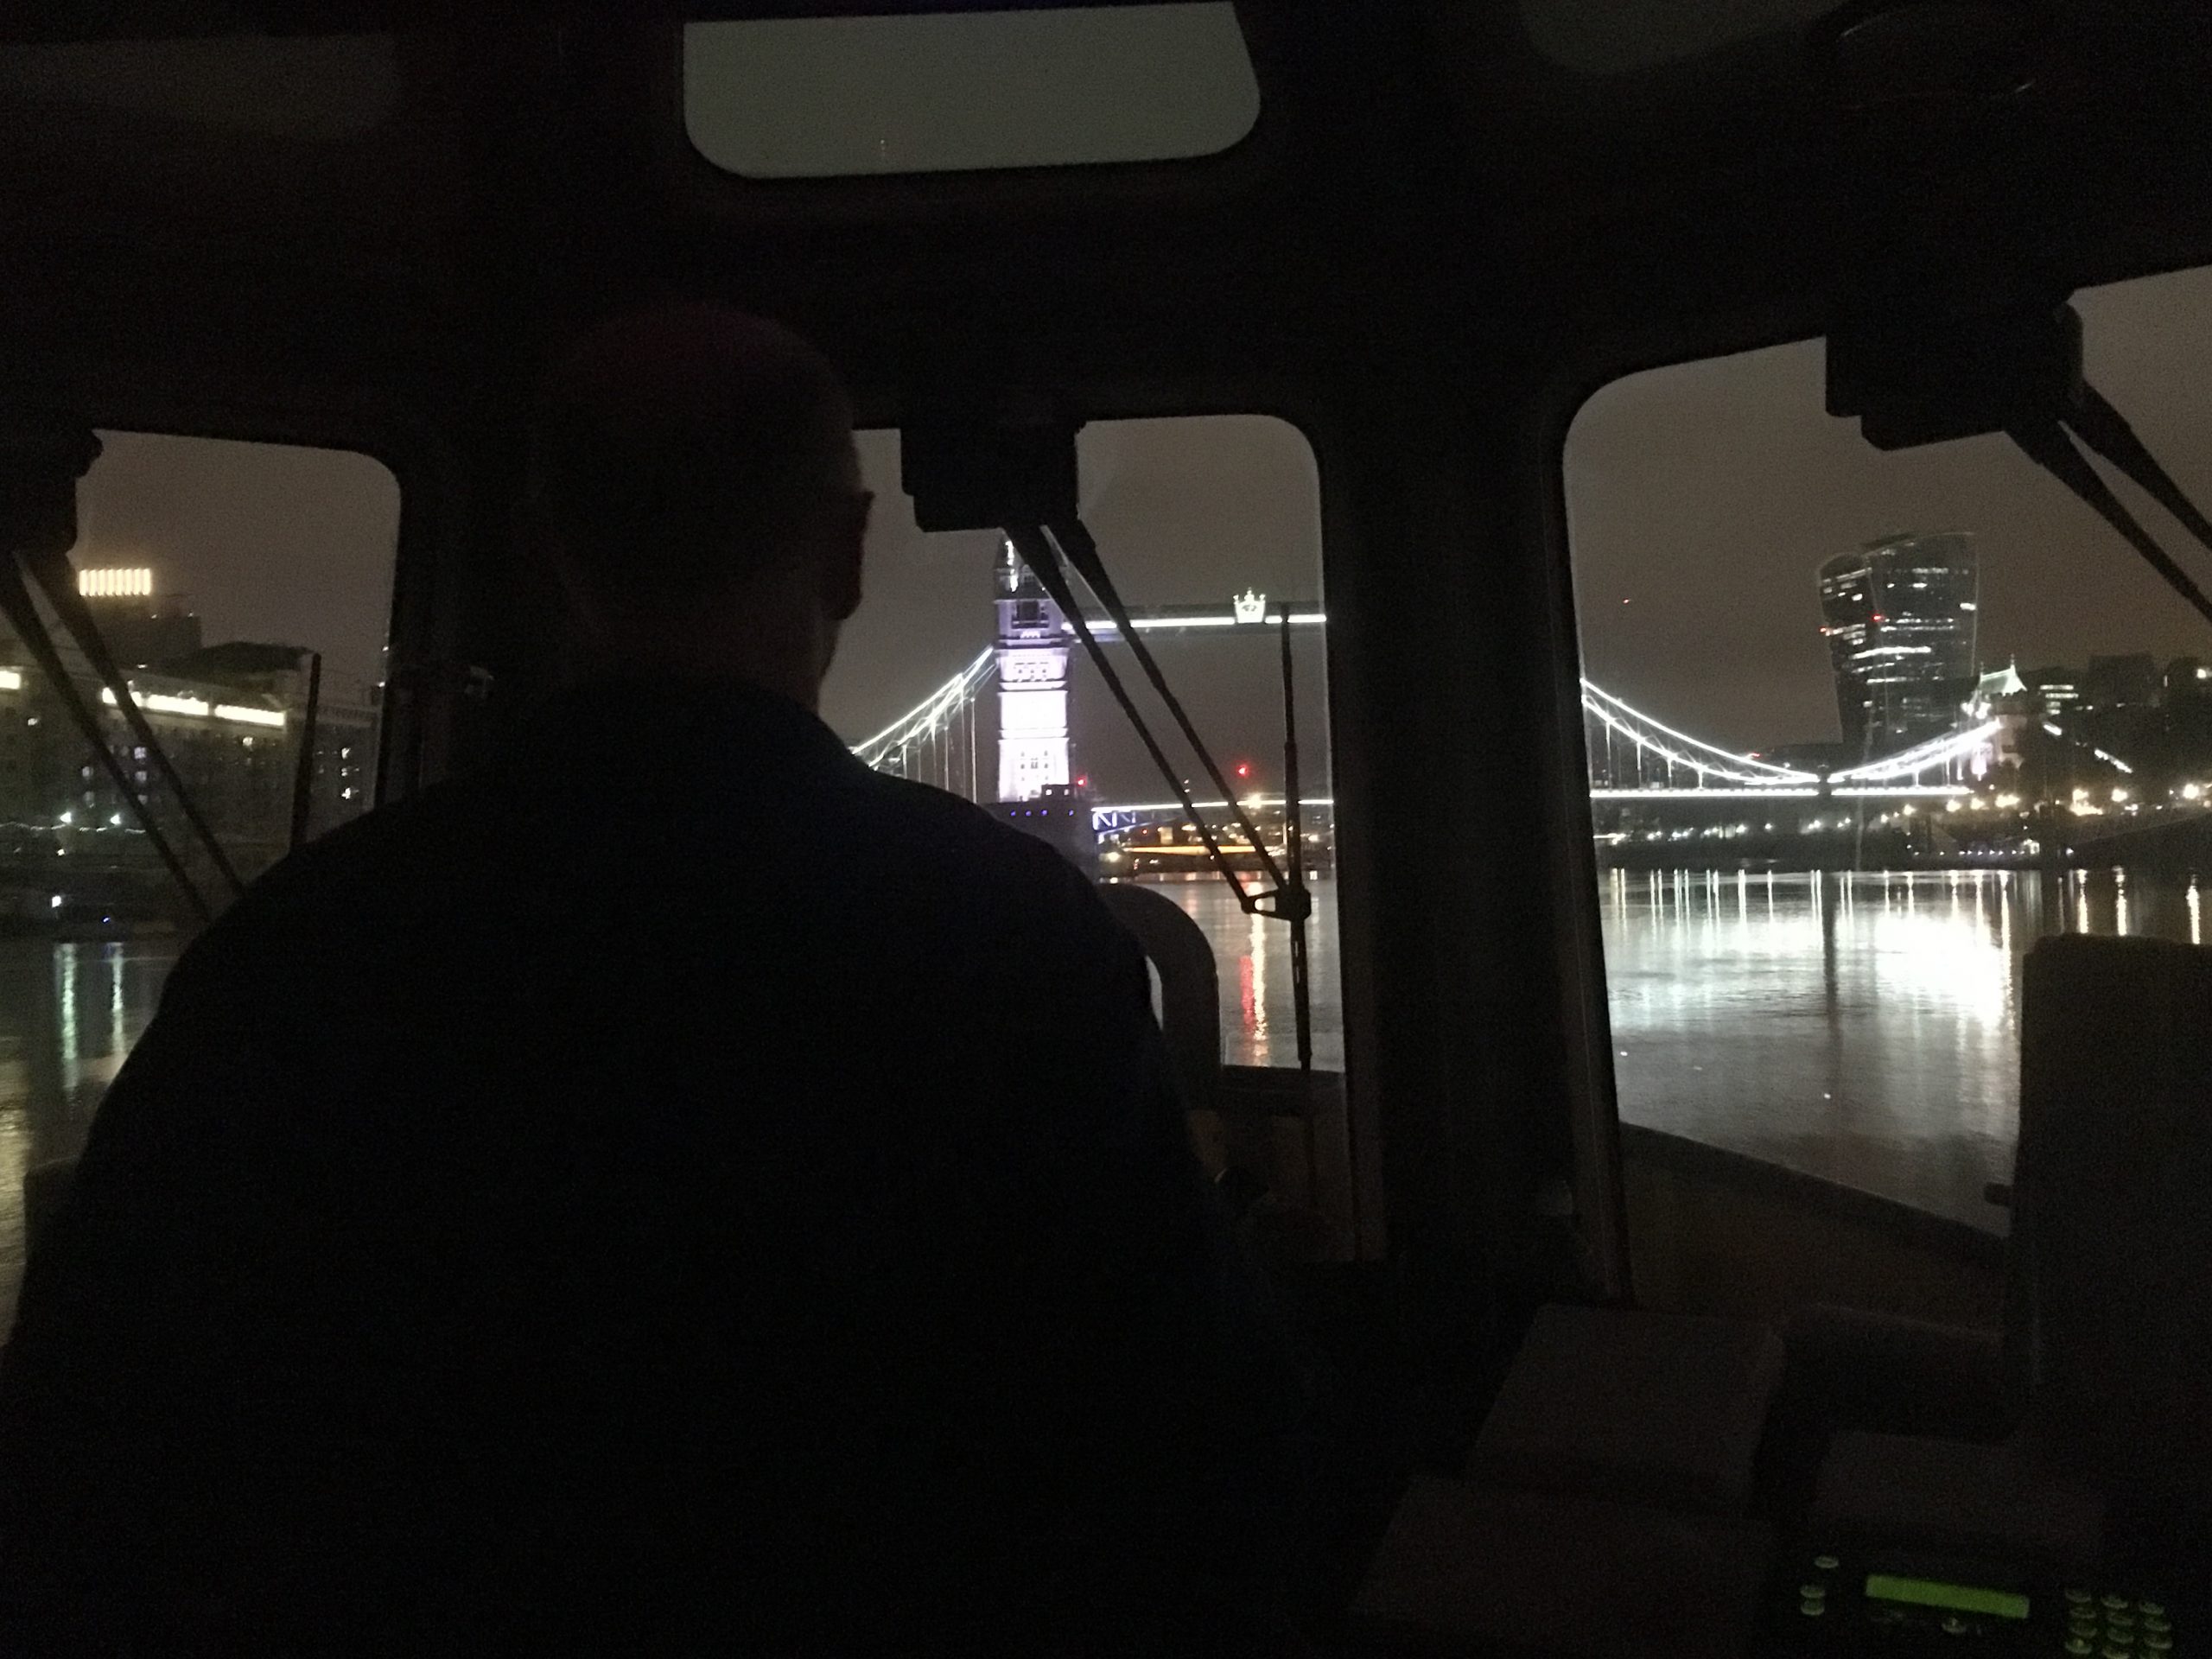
{"x":1862,"y":1027}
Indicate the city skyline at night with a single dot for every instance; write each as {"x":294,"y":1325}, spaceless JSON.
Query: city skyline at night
{"x":1702,"y":500}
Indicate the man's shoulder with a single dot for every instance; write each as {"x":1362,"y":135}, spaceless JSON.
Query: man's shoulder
{"x":989,"y":867}
{"x":932,"y":817}
{"x":425,"y":829}
{"x":371,"y":875}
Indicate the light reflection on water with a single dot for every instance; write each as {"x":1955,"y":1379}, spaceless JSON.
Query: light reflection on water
{"x":1258,"y":1027}
{"x":68,"y":1015}
{"x":1860,"y":1026}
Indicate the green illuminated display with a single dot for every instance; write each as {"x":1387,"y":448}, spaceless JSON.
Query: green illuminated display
{"x":1955,"y":1598}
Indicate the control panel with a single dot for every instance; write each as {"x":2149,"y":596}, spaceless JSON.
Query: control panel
{"x":1834,"y":1600}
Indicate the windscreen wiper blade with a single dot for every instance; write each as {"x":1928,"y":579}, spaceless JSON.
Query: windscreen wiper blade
{"x":1041,"y":553}
{"x":53,"y":572}
{"x":2055,"y":446}
{"x":1044,"y":548}
{"x":1082,"y":552}
{"x":22,"y":612}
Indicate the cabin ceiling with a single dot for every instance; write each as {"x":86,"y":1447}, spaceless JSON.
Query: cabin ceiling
{"x":256,"y":171}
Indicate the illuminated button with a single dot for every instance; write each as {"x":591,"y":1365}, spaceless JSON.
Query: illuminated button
{"x":2150,"y":1609}
{"x":2113,"y":1650}
{"x":2118,"y":1638}
{"x":1953,"y":1625}
{"x":1812,"y":1609}
{"x":2156,"y":1622}
{"x":2080,"y":1597}
{"x":2078,"y":1644}
{"x":2157,"y":1642}
{"x":2115,"y":1604}
{"x":1829,"y":1563}
{"x":2120,"y":1621}
{"x":1814,"y":1591}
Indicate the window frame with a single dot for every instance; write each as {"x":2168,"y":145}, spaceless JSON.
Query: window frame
{"x":412,"y":743}
{"x":1594,"y":1094}
{"x":1601,"y":361}
{"x":1346,"y":1147}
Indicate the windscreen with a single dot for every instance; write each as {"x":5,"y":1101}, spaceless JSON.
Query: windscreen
{"x":217,"y":574}
{"x":959,"y":672}
{"x":1862,"y":726}
{"x":964,"y":91}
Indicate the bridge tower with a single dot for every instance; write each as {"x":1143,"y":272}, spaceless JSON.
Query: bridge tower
{"x":1033,"y":664}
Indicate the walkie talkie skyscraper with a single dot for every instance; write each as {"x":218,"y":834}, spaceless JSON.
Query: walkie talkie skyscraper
{"x":1899,"y":618}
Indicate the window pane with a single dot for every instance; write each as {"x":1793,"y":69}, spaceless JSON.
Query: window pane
{"x":1190,"y":515}
{"x":814,"y":98}
{"x":1830,"y":980}
{"x":212,"y":569}
{"x":322,"y":88}
{"x":1632,"y":34}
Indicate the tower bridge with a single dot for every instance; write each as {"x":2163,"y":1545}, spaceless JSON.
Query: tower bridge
{"x":946,"y":738}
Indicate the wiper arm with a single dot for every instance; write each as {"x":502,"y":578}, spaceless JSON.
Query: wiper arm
{"x":2092,"y":420}
{"x":23,"y":615}
{"x":51,"y":569}
{"x":1288,"y":898}
{"x":2052,"y":447}
{"x":1919,"y":373}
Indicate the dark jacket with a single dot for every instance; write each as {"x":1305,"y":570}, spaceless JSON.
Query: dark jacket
{"x":675,"y":1188}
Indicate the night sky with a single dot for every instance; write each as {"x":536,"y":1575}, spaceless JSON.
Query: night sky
{"x":268,"y":543}
{"x":1703,"y":496}
{"x":1706,"y":496}
{"x":1186,"y":512}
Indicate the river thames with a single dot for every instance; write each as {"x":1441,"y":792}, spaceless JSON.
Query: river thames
{"x":1862,"y":1027}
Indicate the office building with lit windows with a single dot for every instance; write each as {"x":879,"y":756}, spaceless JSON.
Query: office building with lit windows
{"x":1899,"y":618}
{"x":230,"y":718}
{"x":143,"y":628}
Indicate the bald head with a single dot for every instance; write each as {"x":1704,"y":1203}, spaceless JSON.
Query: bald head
{"x":693,"y":469}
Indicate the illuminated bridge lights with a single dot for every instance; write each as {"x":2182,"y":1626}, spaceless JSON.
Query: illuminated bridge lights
{"x":1680,"y":748}
{"x":929,"y":715}
{"x":1924,"y":757}
{"x":1785,"y":792}
{"x":163,"y":703}
{"x":1718,"y":773}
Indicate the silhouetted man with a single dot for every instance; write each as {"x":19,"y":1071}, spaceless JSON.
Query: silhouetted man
{"x":673,"y":1190}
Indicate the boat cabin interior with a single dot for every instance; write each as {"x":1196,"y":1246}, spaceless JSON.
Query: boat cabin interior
{"x":1490,"y":302}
